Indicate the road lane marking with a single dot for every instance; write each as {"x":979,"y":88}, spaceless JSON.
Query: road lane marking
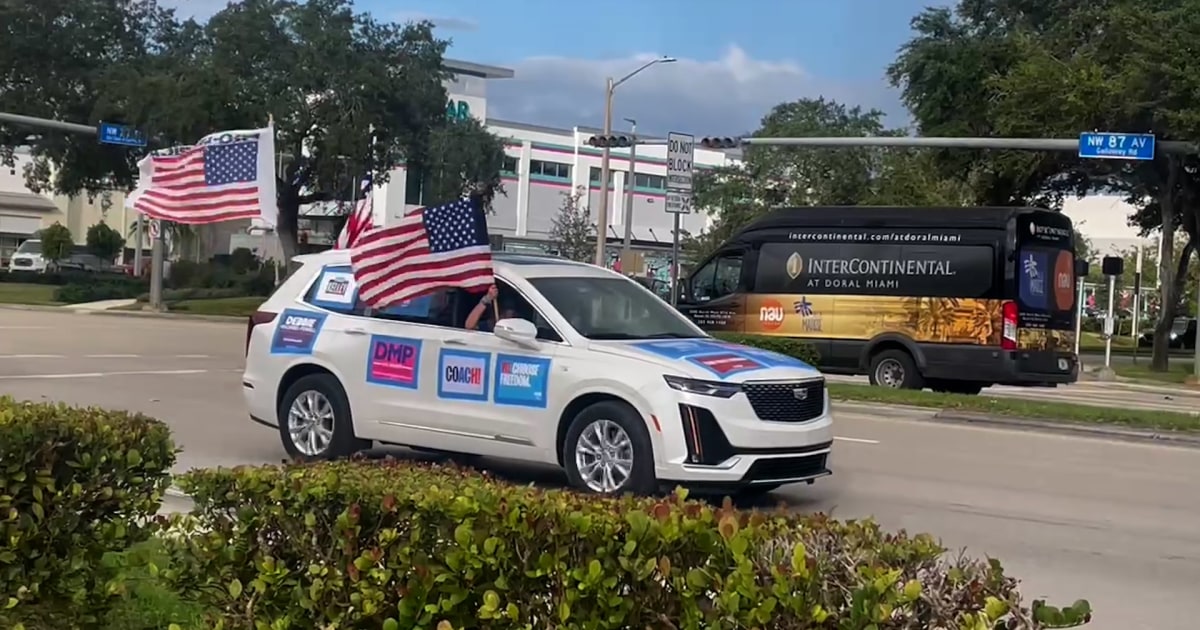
{"x":855,"y":440}
{"x":28,"y":377}
{"x":32,"y":356}
{"x":110,"y":356}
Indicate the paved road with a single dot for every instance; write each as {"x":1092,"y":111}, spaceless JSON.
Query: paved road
{"x":1111,"y":521}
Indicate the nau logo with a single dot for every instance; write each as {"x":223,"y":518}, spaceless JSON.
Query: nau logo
{"x":337,"y":286}
{"x":794,"y":266}
{"x":770,"y":314}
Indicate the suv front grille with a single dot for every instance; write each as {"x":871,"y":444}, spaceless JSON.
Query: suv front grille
{"x":787,"y":402}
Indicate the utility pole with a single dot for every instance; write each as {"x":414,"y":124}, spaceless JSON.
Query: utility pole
{"x":602,"y":212}
{"x":630,"y":183}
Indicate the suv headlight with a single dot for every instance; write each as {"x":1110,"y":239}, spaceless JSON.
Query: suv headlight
{"x":704,"y":388}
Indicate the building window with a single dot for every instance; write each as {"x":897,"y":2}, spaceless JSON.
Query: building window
{"x":651,"y":182}
{"x":594,"y":176}
{"x":510,"y":165}
{"x":553,"y":170}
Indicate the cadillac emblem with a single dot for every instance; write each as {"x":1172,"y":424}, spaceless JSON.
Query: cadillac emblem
{"x":795,"y":266}
{"x":800,"y":394}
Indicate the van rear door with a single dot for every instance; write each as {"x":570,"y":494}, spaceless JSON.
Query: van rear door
{"x":1045,"y":293}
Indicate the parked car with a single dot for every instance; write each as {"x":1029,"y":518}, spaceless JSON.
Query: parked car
{"x":657,"y":287}
{"x":1182,"y":337}
{"x":584,"y":369}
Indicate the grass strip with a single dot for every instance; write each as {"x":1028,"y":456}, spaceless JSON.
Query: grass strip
{"x":1019,"y":408}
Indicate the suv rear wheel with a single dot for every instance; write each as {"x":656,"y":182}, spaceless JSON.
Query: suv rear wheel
{"x":315,"y":421}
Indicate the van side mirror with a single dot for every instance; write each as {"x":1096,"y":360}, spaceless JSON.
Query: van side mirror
{"x":681,"y":294}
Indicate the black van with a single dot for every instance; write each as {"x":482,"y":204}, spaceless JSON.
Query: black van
{"x":954,"y":299}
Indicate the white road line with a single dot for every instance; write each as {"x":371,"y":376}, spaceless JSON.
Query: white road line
{"x":32,"y":356}
{"x":31,"y":377}
{"x":111,"y":356}
{"x":855,"y":440}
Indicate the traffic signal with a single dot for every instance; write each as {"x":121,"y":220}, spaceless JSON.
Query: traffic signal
{"x":721,"y":143}
{"x":612,"y":142}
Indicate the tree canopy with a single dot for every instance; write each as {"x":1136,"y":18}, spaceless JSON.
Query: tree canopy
{"x":351,"y":96}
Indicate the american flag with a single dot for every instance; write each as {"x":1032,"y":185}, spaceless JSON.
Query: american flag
{"x":441,"y":246}
{"x":226,"y":176}
{"x":360,"y":220}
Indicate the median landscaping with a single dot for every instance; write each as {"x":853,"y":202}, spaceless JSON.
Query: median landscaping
{"x":397,"y":545}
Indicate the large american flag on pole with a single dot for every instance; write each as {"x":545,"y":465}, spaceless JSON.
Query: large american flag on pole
{"x":440,"y":246}
{"x":226,"y":176}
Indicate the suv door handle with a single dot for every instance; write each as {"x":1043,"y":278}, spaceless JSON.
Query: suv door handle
{"x":356,"y":331}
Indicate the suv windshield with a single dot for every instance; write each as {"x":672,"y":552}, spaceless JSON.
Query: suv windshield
{"x":614,"y":308}
{"x":30,"y":247}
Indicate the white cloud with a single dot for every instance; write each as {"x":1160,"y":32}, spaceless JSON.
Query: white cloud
{"x":726,"y":96}
{"x":442,"y":22}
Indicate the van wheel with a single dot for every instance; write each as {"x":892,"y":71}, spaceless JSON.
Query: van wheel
{"x":895,"y":369}
{"x":315,"y":422}
{"x":607,"y":450}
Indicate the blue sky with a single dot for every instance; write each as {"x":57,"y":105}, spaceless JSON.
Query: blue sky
{"x":736,"y":58}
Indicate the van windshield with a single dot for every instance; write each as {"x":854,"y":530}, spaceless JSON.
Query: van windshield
{"x":30,"y":247}
{"x":614,"y":308}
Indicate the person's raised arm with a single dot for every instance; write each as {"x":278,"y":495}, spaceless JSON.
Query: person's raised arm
{"x":476,"y":313}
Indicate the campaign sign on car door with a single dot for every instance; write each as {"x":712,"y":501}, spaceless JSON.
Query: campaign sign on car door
{"x":521,"y":381}
{"x":297,"y":332}
{"x":463,"y":375}
{"x":394,"y":361}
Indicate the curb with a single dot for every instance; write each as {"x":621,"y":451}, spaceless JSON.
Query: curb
{"x":947,"y":416}
{"x":228,"y":319}
{"x":120,"y":313}
{"x":861,"y":406}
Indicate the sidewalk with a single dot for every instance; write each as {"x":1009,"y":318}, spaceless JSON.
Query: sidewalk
{"x":102,"y":305}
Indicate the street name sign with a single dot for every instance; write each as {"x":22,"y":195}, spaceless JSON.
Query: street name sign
{"x":1116,"y":146}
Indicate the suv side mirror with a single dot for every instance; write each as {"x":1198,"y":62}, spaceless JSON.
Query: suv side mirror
{"x":519,"y":331}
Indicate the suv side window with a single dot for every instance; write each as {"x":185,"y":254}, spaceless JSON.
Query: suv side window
{"x":334,"y":291}
{"x":436,"y":308}
{"x":719,"y":278}
{"x":509,"y":303}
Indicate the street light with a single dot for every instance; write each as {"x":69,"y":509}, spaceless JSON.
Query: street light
{"x":602,"y":216}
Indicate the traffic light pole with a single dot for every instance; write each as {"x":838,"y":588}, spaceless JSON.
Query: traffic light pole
{"x":627,"y":243}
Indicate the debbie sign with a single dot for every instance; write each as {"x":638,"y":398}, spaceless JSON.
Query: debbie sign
{"x":521,"y":381}
{"x":297,"y":332}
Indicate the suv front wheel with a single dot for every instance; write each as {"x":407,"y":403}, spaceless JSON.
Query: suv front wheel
{"x":315,"y":421}
{"x":608,"y":451}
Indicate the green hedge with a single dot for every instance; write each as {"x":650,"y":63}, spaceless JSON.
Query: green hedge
{"x":178,"y":295}
{"x":100,"y":288}
{"x":783,"y":345}
{"x":75,"y":485}
{"x":62,"y":277}
{"x":397,"y":545}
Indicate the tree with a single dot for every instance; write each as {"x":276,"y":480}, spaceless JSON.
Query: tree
{"x":1028,"y":69}
{"x":104,"y":243}
{"x":57,"y":243}
{"x":68,"y":82}
{"x":351,"y":96}
{"x":573,"y":231}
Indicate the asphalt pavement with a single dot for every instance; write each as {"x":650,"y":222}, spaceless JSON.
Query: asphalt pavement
{"x":1114,"y":522}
